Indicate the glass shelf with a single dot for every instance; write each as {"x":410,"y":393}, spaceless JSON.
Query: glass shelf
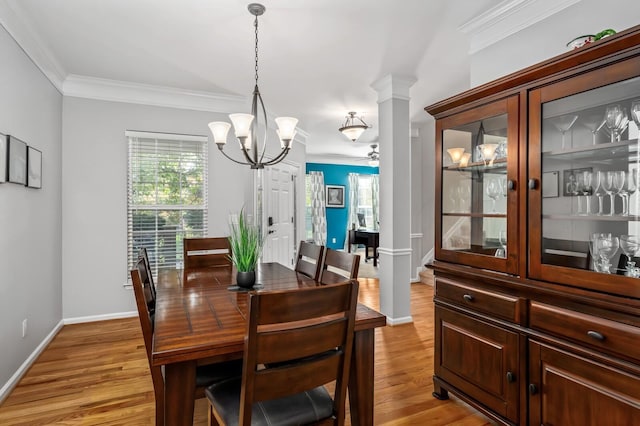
{"x":604,"y":218}
{"x":481,"y":215}
{"x":603,"y":153}
{"x":499,"y":164}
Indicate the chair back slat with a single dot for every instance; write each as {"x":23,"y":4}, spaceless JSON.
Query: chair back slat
{"x":339,"y":265}
{"x":206,"y":252}
{"x":309,"y":259}
{"x":311,"y":330}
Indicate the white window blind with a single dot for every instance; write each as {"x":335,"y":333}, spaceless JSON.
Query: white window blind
{"x":166,"y":195}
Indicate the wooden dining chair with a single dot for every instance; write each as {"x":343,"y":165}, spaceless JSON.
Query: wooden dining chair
{"x":308,"y":333}
{"x":147,"y":280}
{"x":205,"y":375}
{"x":339,"y":265}
{"x":309,"y":259}
{"x":206,"y":252}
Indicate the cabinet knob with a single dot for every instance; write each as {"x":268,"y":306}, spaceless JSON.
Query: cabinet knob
{"x":511,"y":184}
{"x":533,"y":389}
{"x":468,"y":297}
{"x":533,"y":183}
{"x":595,"y":335}
{"x":511,"y":377}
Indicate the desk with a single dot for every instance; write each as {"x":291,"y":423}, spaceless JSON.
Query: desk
{"x":198,"y":321}
{"x":370,"y":239}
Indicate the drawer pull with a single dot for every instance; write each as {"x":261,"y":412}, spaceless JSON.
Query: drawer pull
{"x":595,"y":335}
{"x":533,"y":389}
{"x":468,"y":297}
{"x":511,"y":377}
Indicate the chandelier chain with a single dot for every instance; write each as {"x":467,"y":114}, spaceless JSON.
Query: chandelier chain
{"x":256,"y":25}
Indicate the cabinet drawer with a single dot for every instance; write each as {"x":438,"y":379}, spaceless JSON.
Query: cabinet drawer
{"x":610,"y":336}
{"x":485,"y":301}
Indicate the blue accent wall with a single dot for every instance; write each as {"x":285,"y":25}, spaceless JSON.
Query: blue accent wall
{"x":337,"y":174}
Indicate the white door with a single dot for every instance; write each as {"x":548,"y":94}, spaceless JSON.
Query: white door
{"x":280,"y":213}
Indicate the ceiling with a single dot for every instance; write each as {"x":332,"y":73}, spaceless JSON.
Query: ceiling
{"x":317,"y":59}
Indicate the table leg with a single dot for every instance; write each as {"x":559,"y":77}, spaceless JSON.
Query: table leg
{"x":179,"y":393}
{"x":361,"y":378}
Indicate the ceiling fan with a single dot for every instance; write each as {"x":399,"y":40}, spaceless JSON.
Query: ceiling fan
{"x":374,"y":155}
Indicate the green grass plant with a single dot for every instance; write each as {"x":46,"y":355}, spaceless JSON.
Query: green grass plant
{"x":246,"y":244}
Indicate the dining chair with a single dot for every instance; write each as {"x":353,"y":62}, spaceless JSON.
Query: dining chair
{"x":339,"y":265}
{"x":308,"y":333}
{"x":309,"y":259}
{"x":205,"y":375}
{"x":206,"y":252}
{"x":147,"y":280}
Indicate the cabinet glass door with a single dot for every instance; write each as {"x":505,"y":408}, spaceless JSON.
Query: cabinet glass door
{"x":475,"y":181}
{"x":585,"y":156}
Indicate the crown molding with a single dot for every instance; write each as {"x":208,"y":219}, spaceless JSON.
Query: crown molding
{"x":14,"y":20}
{"x":507,"y":18}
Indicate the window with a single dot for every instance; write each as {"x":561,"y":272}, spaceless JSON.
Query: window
{"x":308,"y":215}
{"x":365,"y":199}
{"x":166,"y":195}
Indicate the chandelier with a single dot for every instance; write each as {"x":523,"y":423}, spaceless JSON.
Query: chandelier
{"x":246,"y":125}
{"x":351,"y":128}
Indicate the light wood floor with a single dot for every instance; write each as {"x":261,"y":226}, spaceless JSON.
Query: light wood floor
{"x":97,"y":374}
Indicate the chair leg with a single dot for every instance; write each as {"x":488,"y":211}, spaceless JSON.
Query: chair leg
{"x":159,"y":412}
{"x":212,"y":418}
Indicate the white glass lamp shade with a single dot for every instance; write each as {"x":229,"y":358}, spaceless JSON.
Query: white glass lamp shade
{"x":455,"y":154}
{"x":286,"y":127}
{"x":374,"y":163}
{"x":285,"y":143}
{"x":353,"y":132}
{"x":219,"y":130}
{"x":488,"y":150}
{"x":464,"y":160}
{"x":241,"y":124}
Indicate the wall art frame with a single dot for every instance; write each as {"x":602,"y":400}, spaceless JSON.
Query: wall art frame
{"x":335,"y":196}
{"x":34,"y":168}
{"x":17,"y":161}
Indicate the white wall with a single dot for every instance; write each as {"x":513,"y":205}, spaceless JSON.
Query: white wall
{"x":549,"y":37}
{"x":94,"y":199}
{"x":30,"y":259}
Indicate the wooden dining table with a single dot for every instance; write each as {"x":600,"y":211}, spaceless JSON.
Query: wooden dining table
{"x":200,"y":318}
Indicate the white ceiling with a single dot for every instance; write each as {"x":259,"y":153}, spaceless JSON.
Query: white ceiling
{"x":317,"y":59}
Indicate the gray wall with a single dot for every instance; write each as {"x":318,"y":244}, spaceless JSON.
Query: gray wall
{"x":30,"y":259}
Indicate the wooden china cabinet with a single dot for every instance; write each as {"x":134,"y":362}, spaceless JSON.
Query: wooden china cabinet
{"x":537,"y":280}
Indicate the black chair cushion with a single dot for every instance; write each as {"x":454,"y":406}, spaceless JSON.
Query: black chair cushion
{"x":214,"y":373}
{"x":300,"y":409}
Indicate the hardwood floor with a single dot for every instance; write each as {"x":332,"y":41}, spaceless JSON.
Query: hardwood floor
{"x":97,"y":374}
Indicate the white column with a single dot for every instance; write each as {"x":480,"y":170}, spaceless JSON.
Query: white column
{"x":395,"y":197}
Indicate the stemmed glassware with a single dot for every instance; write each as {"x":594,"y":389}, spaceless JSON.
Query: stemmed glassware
{"x":493,"y":191}
{"x":584,"y":186}
{"x":606,"y":247}
{"x":599,"y":190}
{"x":502,"y":251}
{"x":594,"y":123}
{"x":635,"y":113}
{"x":620,"y":186}
{"x":630,"y":244}
{"x":564,"y":124}
{"x":616,"y":121}
{"x":609,"y":188}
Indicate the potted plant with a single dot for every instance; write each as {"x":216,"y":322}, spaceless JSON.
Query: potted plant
{"x":246,"y":244}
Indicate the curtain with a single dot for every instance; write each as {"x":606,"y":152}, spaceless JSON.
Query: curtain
{"x":375,"y":201}
{"x":352,"y":217}
{"x":318,"y":214}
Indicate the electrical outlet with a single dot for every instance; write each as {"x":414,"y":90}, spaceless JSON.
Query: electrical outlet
{"x":24,"y":328}
{"x":333,"y":240}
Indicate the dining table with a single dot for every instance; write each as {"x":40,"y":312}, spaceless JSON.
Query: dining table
{"x":201,"y":318}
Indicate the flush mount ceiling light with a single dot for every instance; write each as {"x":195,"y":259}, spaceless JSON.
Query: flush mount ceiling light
{"x":246,"y":125}
{"x":351,"y":128}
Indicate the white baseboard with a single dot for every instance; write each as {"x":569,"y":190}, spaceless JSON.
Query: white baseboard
{"x":13,"y":381}
{"x":398,"y":321}
{"x":92,"y":318}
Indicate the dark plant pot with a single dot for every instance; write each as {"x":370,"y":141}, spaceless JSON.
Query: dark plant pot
{"x":246,"y":279}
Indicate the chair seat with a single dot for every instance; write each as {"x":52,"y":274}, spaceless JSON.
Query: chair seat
{"x":299,"y":409}
{"x":213,"y":373}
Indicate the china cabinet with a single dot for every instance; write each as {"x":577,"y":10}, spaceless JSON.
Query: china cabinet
{"x":537,"y":268}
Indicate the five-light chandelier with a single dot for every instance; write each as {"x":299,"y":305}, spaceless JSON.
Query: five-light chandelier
{"x":246,"y":125}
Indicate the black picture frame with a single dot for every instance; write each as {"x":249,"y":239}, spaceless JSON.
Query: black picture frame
{"x":335,"y":196}
{"x":17,"y":161}
{"x":4,"y":155}
{"x":34,"y":168}
{"x":568,"y":176}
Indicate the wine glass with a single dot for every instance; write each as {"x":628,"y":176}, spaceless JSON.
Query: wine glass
{"x":584,"y":180}
{"x":635,"y":113}
{"x":564,"y":124}
{"x":630,"y":244}
{"x":609,"y":188}
{"x":614,"y":117}
{"x":502,"y":239}
{"x":606,"y":246}
{"x":599,"y":190}
{"x":594,"y":123}
{"x":493,"y":191}
{"x":595,"y":258}
{"x":619,"y":185}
